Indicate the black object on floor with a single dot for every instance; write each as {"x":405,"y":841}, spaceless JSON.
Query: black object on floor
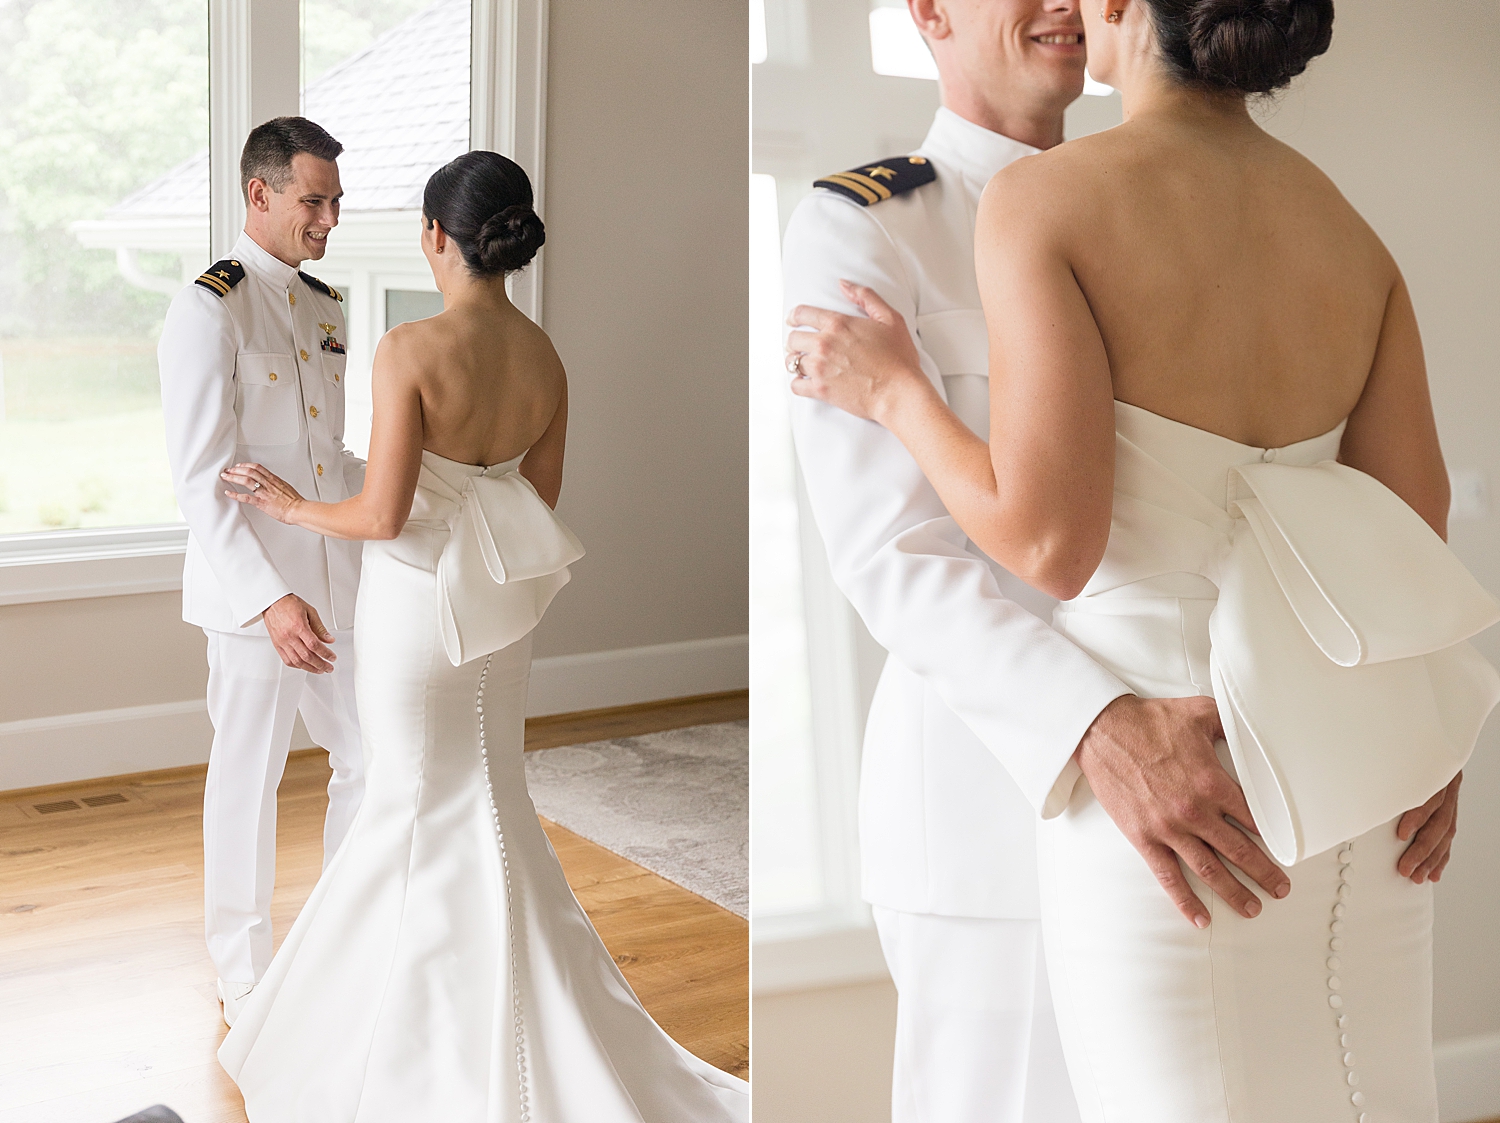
{"x":159,"y":1113}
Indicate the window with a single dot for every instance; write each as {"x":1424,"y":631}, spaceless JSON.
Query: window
{"x":99,"y":100}
{"x":785,"y":851}
{"x":390,"y":80}
{"x":111,"y":194}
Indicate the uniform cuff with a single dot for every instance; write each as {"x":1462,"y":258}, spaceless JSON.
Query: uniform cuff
{"x":1061,"y":792}
{"x":266,"y":598}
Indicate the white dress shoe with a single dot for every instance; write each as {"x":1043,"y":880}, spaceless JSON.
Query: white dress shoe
{"x":233,"y":996}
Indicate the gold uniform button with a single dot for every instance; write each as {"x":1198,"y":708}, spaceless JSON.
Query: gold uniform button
{"x":273,"y":376}
{"x":304,"y":356}
{"x":291,"y":298}
{"x":335,"y":378}
{"x":313,"y":410}
{"x":320,"y":469}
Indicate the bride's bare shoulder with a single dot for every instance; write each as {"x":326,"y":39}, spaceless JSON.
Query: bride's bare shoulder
{"x":1055,"y":186}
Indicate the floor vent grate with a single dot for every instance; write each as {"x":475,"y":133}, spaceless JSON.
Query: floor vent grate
{"x":52,"y":807}
{"x":58,"y":805}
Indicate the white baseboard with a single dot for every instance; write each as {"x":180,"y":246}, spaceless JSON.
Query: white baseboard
{"x":1468,"y":1078}
{"x":840,"y":957}
{"x":84,"y":746}
{"x":562,"y":684}
{"x":58,"y":750}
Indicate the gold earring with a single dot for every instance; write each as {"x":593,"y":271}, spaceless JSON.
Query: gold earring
{"x":1113,"y":17}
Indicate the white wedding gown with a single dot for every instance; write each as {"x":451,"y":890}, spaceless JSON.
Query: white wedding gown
{"x":442,"y":969}
{"x":1319,"y":1009}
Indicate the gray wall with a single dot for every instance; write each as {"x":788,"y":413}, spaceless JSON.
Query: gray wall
{"x":645,"y":294}
{"x":645,"y":298}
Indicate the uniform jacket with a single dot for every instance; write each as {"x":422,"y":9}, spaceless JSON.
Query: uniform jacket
{"x":981,"y":704}
{"x":252,"y":369}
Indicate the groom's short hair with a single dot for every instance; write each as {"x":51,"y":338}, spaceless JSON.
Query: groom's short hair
{"x":270,"y":147}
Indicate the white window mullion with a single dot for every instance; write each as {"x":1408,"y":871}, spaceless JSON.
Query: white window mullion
{"x":508,"y":107}
{"x":254,"y":70}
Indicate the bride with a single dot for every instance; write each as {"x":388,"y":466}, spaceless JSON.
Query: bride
{"x":1211,"y":438}
{"x":442,"y":968}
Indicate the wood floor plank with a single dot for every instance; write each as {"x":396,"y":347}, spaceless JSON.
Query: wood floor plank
{"x":106,"y":990}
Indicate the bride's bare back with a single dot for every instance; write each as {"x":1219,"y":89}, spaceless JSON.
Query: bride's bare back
{"x":1233,"y":286}
{"x":489,"y":380}
{"x":1190,"y":264}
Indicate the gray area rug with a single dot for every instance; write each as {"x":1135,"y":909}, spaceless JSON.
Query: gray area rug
{"x":675,"y":802}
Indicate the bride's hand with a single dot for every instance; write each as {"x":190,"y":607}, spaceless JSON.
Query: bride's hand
{"x":264,"y":490}
{"x":1433,"y":825}
{"x":865,"y":365}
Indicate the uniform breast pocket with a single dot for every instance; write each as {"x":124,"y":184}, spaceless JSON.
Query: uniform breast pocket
{"x":265,"y":399}
{"x":959,"y":343}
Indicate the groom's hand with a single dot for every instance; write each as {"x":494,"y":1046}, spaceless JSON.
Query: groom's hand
{"x":1152,"y":765}
{"x":299,"y":636}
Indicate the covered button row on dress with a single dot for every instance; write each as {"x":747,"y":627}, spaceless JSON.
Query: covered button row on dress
{"x":524,"y":1098}
{"x":1335,"y":984}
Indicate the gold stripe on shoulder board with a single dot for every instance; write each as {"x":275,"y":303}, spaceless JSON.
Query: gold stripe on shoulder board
{"x":869,"y":183}
{"x":864,"y":191}
{"x":215,"y":283}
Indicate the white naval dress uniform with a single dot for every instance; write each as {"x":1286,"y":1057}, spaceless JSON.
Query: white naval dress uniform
{"x":981,"y":704}
{"x":252,"y":367}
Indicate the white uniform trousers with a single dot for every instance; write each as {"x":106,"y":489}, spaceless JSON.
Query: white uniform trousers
{"x":976,"y":1039}
{"x":253,"y":700}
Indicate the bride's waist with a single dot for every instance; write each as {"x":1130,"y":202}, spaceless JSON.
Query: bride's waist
{"x":1152,"y":634}
{"x":1162,"y":588}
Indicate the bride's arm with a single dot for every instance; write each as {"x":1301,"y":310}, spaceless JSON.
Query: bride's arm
{"x":543,"y":465}
{"x":1037,"y":497}
{"x":1392,"y":435}
{"x":381,"y":509}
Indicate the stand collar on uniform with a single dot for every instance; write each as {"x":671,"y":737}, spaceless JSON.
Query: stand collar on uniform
{"x":248,"y":252}
{"x":975,"y":150}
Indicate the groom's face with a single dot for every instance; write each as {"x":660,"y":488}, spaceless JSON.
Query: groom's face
{"x":1027,"y":51}
{"x":298,"y":218}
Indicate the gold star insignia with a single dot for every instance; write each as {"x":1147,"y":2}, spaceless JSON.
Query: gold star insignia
{"x":223,"y":273}
{"x":880,"y":171}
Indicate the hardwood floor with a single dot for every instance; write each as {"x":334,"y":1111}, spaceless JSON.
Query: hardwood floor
{"x":107,"y":993}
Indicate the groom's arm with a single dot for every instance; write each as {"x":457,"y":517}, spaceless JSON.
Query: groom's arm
{"x":197,"y":360}
{"x":921,"y":588}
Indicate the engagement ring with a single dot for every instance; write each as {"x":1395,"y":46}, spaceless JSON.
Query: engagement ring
{"x":794,"y":363}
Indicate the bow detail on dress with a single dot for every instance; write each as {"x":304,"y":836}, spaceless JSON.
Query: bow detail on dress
{"x":506,"y":558}
{"x":1339,"y":658}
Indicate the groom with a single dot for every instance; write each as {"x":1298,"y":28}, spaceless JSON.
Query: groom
{"x":984,"y":716}
{"x":252,"y":368}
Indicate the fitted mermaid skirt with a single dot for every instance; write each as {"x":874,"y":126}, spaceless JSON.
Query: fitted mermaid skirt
{"x":442,"y":968}
{"x":1318,"y":1010}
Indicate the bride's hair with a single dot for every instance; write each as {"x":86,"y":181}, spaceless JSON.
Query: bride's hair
{"x":1241,"y":46}
{"x":483,"y":201}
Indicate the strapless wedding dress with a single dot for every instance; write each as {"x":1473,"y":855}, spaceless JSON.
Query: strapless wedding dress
{"x":1283,"y":585}
{"x":442,"y":969}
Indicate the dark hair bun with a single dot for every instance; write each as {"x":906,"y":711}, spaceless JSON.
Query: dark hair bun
{"x":509,"y":240}
{"x":483,"y":202}
{"x":1244,"y":46}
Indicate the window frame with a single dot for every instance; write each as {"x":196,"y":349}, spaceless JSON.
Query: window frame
{"x":254,"y":74}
